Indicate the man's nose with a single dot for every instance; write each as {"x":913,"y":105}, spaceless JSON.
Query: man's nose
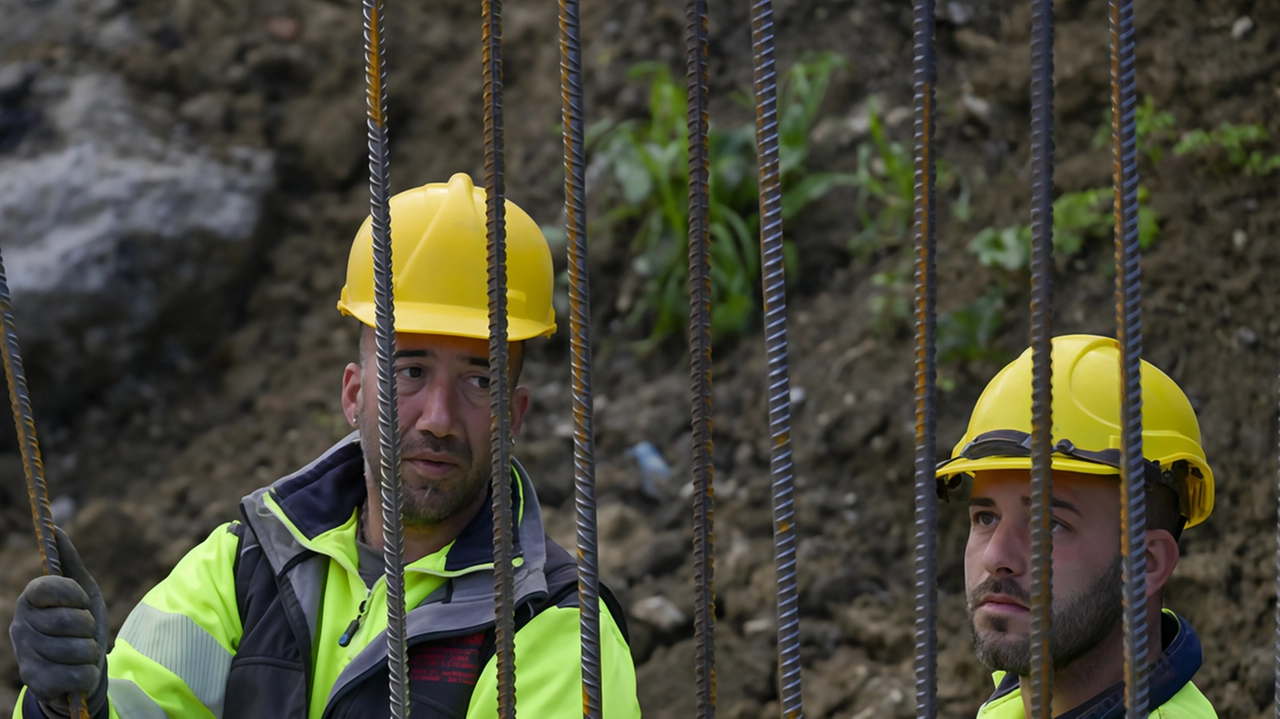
{"x":1007,"y":552}
{"x":436,"y":410}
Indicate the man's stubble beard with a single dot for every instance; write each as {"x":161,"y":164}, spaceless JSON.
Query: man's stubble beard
{"x":436,"y":501}
{"x":1079,"y":625}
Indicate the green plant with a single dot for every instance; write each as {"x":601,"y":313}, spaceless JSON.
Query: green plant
{"x":1151,"y":126}
{"x":967,"y":334}
{"x":1077,"y":216}
{"x":648,"y":161}
{"x":885,"y":177}
{"x":1237,"y":142}
{"x":890,"y":308}
{"x":885,"y":174}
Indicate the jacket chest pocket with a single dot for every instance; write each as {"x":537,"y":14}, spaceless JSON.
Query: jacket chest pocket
{"x":266,"y":688}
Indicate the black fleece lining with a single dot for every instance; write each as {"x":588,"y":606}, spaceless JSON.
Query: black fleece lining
{"x":324,"y":496}
{"x":475,"y":544}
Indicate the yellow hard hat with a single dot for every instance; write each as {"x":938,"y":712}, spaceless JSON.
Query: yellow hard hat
{"x":439,"y":257}
{"x":1086,"y":423}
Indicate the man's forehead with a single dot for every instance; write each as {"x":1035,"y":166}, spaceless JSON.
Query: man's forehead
{"x":436,"y":345}
{"x":442,"y":345}
{"x":1067,"y":485}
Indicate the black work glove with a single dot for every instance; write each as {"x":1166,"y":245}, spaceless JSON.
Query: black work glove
{"x":59,"y":636}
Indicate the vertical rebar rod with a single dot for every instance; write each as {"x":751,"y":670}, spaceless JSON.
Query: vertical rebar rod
{"x":584,"y":462}
{"x":24,"y":421}
{"x":384,"y":307}
{"x":1133,"y":519}
{"x":926,"y":499}
{"x":32,"y":464}
{"x":774,"y":286}
{"x":700,"y":357}
{"x":1276,"y":698}
{"x":1042,"y":146}
{"x":499,"y":391}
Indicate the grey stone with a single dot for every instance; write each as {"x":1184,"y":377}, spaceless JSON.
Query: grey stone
{"x":660,"y":612}
{"x":110,"y":230}
{"x":1241,"y":27}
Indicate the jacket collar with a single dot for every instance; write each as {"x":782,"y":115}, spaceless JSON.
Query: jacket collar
{"x":1179,"y":663}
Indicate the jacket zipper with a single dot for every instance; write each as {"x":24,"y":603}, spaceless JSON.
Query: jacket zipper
{"x":354,"y":626}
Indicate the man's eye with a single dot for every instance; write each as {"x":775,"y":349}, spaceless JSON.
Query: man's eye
{"x":411,"y":372}
{"x":479,"y":381}
{"x":985,"y":519}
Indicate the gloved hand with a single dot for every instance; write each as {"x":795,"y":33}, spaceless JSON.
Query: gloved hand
{"x":59,"y":635}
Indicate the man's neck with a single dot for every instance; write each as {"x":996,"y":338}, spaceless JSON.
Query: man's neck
{"x":419,"y":542}
{"x":1093,"y":672}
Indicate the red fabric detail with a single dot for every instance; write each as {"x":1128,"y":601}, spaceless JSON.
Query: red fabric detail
{"x":455,"y":660}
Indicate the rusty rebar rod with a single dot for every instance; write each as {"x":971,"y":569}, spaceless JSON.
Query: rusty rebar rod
{"x":926,"y":500}
{"x":1041,"y":357}
{"x":700,"y":356}
{"x":385,"y":333}
{"x":499,"y":379}
{"x":32,"y":464}
{"x":778,"y":385}
{"x":584,"y":463}
{"x":1129,"y":332}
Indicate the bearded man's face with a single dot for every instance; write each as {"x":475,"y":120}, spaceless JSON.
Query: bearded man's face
{"x":442,"y":387}
{"x":1086,"y":606}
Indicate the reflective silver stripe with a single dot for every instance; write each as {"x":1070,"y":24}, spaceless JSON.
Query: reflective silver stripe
{"x":130,"y":702}
{"x":177,"y":643}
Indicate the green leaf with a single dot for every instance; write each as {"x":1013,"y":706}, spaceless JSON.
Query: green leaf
{"x":1148,"y":227}
{"x":812,"y":188}
{"x":1008,"y":249}
{"x":967,"y":334}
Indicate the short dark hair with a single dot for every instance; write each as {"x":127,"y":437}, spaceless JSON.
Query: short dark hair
{"x":1164,"y":510}
{"x":516,"y":355}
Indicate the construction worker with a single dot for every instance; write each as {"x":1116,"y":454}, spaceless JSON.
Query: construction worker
{"x":1086,"y":638}
{"x":283,"y":614}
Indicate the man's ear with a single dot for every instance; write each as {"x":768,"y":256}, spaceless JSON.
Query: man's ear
{"x":1162,"y":557}
{"x":351,"y":383}
{"x":519,"y":406}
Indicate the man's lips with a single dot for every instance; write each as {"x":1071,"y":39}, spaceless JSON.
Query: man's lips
{"x":431,"y":465}
{"x":1002,"y":603}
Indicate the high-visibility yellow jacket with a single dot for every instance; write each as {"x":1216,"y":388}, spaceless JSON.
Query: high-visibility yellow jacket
{"x":270,"y":618}
{"x":1172,"y":695}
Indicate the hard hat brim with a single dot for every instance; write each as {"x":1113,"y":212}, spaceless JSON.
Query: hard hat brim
{"x":449,"y":321}
{"x":1062,"y":464}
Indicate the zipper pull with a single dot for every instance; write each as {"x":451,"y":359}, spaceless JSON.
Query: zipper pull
{"x":354,"y":626}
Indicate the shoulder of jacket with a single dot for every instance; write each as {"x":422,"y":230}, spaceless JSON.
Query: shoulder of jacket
{"x":1188,"y":703}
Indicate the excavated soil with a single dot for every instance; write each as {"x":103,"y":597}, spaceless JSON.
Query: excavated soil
{"x":158,"y":459}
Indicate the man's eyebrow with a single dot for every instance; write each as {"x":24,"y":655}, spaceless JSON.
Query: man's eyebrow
{"x":478,"y":361}
{"x":1058,"y":503}
{"x":412,"y":353}
{"x":469,"y":359}
{"x":982,"y":502}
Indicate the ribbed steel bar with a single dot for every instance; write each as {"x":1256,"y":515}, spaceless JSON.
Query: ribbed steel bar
{"x":700,"y":357}
{"x":32,"y":464}
{"x":926,"y":292}
{"x":774,"y":283}
{"x":1041,"y":363}
{"x":384,"y":308}
{"x":584,"y":462}
{"x":1133,"y":518}
{"x":499,"y":380}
